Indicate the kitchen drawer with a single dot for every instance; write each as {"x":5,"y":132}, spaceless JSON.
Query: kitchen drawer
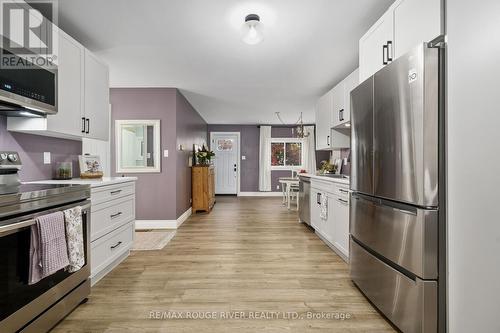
{"x":110,"y":215}
{"x":342,"y":191}
{"x":410,"y":304}
{"x":106,"y":249}
{"x":322,"y":185}
{"x":403,"y":234}
{"x":110,"y":192}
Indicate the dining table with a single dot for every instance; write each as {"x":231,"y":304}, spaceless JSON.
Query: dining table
{"x":289,"y":185}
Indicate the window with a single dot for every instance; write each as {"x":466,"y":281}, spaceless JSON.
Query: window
{"x":286,"y":154}
{"x":224,"y":144}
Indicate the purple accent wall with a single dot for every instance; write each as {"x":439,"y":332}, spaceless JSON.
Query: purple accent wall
{"x":249,"y":178}
{"x":31,"y":148}
{"x":191,"y":129}
{"x":249,"y":168}
{"x":164,"y":195}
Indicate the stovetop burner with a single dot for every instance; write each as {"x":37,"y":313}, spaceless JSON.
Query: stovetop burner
{"x":23,"y":189}
{"x":17,"y":198}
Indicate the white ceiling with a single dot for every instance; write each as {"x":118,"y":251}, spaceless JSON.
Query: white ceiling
{"x":195,"y":45}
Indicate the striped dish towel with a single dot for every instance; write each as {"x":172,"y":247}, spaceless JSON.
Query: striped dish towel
{"x":74,"y":237}
{"x":52,"y":241}
{"x":324,"y":207}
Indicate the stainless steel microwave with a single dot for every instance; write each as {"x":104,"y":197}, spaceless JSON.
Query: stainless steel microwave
{"x":28,"y":91}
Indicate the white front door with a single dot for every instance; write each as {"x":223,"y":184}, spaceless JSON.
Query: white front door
{"x":225,"y":146}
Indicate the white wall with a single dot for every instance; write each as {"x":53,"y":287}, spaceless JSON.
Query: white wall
{"x":473,"y":29}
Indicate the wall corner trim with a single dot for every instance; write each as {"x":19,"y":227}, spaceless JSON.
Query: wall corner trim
{"x":163,"y":224}
{"x":181,"y":219}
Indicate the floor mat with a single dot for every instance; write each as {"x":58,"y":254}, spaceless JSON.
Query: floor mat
{"x":152,"y":240}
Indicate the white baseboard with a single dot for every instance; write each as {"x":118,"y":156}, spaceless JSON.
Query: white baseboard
{"x":155,"y":224}
{"x":260,"y":194}
{"x":162,"y":224}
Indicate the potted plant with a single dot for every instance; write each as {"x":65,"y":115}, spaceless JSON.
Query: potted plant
{"x":327,"y":167}
{"x":204,"y":156}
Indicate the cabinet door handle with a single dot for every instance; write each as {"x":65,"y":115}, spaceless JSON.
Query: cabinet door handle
{"x":384,"y":52}
{"x":115,"y":215}
{"x":318,"y":198}
{"x":389,"y":48}
{"x":343,"y":191}
{"x":341,"y":115}
{"x":83,"y":124}
{"x":88,"y":126}
{"x":115,"y":192}
{"x":328,"y":140}
{"x":116,"y":245}
{"x":343,"y":201}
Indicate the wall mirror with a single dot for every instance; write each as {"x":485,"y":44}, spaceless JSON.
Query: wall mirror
{"x":137,"y":146}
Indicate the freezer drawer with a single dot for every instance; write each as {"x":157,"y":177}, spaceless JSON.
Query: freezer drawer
{"x":406,"y":128}
{"x":410,"y":304}
{"x":405,"y":235}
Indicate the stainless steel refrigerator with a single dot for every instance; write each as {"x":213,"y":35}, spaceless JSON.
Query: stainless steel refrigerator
{"x":396,"y":172}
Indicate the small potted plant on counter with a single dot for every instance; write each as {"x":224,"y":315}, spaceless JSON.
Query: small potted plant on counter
{"x":204,"y":156}
{"x":327,"y":167}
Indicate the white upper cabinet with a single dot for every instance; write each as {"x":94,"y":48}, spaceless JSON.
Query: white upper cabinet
{"x":333,"y":112}
{"x":375,"y":46}
{"x":70,"y":86}
{"x":338,"y":103}
{"x":404,"y":25}
{"x":342,"y":100}
{"x":67,"y":123}
{"x":96,"y":98}
{"x":351,"y":82}
{"x":415,"y":22}
{"x":324,"y":109}
{"x":82,"y":96}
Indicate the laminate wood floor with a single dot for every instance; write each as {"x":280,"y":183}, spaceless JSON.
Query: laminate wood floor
{"x":249,"y":257}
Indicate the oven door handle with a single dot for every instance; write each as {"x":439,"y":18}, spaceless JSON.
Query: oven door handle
{"x":24,"y":224}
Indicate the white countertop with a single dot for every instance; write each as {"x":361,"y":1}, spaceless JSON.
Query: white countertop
{"x":92,"y":182}
{"x":344,"y":181}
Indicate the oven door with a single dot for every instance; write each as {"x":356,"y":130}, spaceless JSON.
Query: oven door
{"x":20,"y":303}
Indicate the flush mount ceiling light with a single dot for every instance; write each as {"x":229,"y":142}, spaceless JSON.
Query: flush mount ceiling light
{"x":252,"y":30}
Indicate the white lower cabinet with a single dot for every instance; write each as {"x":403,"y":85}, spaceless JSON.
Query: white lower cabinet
{"x":341,"y":224}
{"x":334,"y":230}
{"x":112,"y":227}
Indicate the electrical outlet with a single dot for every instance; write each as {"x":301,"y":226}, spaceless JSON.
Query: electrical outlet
{"x":243,"y":157}
{"x":46,"y":157}
{"x":277,"y":187}
{"x":165,"y":153}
